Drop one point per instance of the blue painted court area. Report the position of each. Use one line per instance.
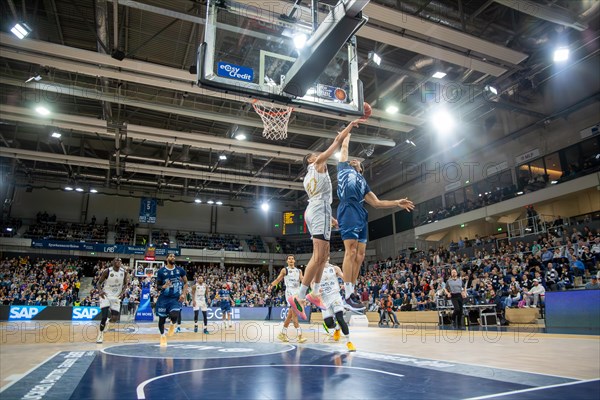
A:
(191, 370)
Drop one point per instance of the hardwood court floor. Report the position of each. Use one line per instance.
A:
(24, 345)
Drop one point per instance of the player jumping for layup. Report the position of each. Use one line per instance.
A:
(319, 219)
(199, 295)
(292, 277)
(115, 282)
(172, 283)
(353, 191)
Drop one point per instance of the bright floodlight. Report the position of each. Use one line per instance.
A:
(492, 90)
(219, 203)
(240, 136)
(376, 58)
(68, 188)
(21, 30)
(197, 201)
(300, 40)
(561, 54)
(337, 155)
(78, 189)
(56, 135)
(438, 75)
(264, 206)
(93, 190)
(391, 109)
(443, 122)
(222, 157)
(211, 202)
(42, 110)
(408, 141)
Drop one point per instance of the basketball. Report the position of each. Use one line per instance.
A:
(367, 110)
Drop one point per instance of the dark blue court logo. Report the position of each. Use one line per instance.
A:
(235, 72)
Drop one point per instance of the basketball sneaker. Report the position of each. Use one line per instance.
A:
(353, 304)
(171, 330)
(302, 339)
(163, 341)
(195, 328)
(316, 300)
(283, 337)
(336, 335)
(205, 331)
(296, 306)
(350, 347)
(178, 330)
(100, 338)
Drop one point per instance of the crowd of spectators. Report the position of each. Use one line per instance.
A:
(208, 241)
(256, 245)
(67, 231)
(124, 231)
(39, 282)
(514, 274)
(305, 245)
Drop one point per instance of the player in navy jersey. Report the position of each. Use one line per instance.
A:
(225, 304)
(353, 191)
(172, 283)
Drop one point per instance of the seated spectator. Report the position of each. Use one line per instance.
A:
(593, 284)
(533, 296)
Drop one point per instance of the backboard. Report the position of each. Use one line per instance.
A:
(250, 51)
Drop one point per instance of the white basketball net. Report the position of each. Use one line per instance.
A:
(275, 119)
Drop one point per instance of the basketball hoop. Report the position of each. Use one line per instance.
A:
(275, 119)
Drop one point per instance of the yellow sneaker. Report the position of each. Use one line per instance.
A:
(171, 330)
(336, 335)
(350, 347)
(283, 337)
(163, 341)
(302, 339)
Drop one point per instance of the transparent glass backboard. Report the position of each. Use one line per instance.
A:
(249, 50)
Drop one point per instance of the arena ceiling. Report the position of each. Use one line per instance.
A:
(139, 126)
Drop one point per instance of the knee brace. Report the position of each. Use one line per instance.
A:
(342, 322)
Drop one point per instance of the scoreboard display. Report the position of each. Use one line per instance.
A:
(293, 223)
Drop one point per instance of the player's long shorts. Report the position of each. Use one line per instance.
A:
(289, 293)
(201, 305)
(225, 306)
(353, 223)
(165, 305)
(334, 304)
(318, 219)
(113, 302)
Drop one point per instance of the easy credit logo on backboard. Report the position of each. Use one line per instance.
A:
(85, 313)
(235, 72)
(24, 313)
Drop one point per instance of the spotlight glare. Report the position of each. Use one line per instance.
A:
(219, 203)
(93, 190)
(337, 155)
(68, 188)
(392, 109)
(443, 122)
(222, 157)
(56, 135)
(240, 136)
(376, 58)
(492, 90)
(42, 110)
(439, 75)
(78, 189)
(197, 201)
(300, 40)
(211, 202)
(265, 206)
(561, 54)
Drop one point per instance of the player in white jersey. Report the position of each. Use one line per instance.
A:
(292, 277)
(330, 291)
(113, 283)
(199, 296)
(319, 220)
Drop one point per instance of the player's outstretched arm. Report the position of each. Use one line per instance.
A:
(279, 278)
(373, 201)
(344, 149)
(324, 156)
